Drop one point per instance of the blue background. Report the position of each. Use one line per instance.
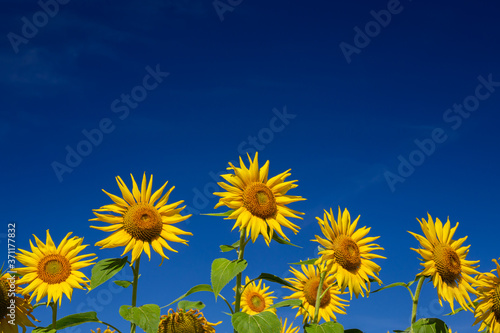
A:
(354, 118)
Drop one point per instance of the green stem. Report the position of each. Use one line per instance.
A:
(241, 251)
(318, 297)
(53, 305)
(415, 301)
(134, 289)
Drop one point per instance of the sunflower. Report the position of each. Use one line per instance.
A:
(290, 329)
(488, 308)
(107, 330)
(444, 260)
(52, 270)
(254, 298)
(20, 308)
(306, 286)
(140, 223)
(258, 203)
(347, 252)
(182, 321)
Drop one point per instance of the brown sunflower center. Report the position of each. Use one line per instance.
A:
(54, 268)
(143, 222)
(4, 298)
(346, 253)
(447, 263)
(256, 302)
(259, 200)
(182, 322)
(496, 303)
(311, 292)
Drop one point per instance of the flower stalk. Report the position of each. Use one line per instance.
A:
(135, 270)
(415, 302)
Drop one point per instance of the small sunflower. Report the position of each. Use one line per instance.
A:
(52, 270)
(347, 252)
(488, 309)
(290, 329)
(181, 321)
(107, 330)
(254, 298)
(444, 260)
(307, 284)
(16, 316)
(258, 202)
(140, 222)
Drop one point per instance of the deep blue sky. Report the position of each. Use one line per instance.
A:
(351, 122)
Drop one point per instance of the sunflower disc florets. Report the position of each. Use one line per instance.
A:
(181, 321)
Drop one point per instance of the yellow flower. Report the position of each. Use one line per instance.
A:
(140, 223)
(107, 330)
(14, 310)
(254, 298)
(347, 252)
(52, 270)
(488, 309)
(258, 202)
(191, 321)
(307, 284)
(444, 260)
(290, 329)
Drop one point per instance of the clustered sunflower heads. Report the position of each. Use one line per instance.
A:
(488, 309)
(347, 252)
(306, 284)
(255, 298)
(180, 321)
(22, 312)
(259, 203)
(141, 220)
(444, 260)
(51, 271)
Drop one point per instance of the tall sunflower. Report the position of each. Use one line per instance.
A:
(11, 321)
(182, 321)
(347, 252)
(139, 222)
(290, 328)
(52, 270)
(488, 309)
(306, 286)
(258, 202)
(444, 260)
(254, 298)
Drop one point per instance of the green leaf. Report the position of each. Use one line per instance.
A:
(274, 278)
(186, 305)
(195, 289)
(146, 317)
(289, 302)
(328, 327)
(227, 248)
(124, 284)
(224, 271)
(395, 284)
(105, 270)
(264, 322)
(428, 325)
(229, 212)
(305, 262)
(277, 238)
(68, 321)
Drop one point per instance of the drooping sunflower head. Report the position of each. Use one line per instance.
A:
(306, 284)
(107, 330)
(180, 321)
(52, 270)
(17, 314)
(488, 309)
(290, 328)
(258, 203)
(347, 252)
(444, 261)
(255, 299)
(141, 220)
